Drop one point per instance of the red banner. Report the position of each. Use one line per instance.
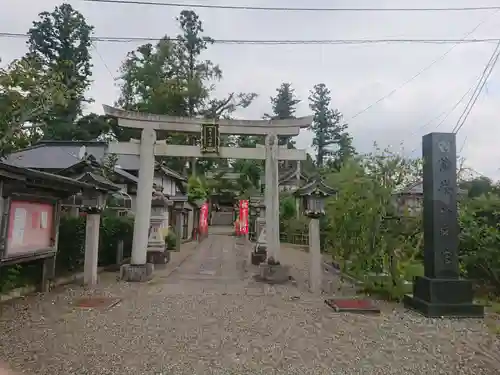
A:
(243, 216)
(30, 227)
(204, 218)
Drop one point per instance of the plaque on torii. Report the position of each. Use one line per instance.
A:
(210, 139)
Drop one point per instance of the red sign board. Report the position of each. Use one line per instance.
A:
(204, 218)
(30, 227)
(243, 216)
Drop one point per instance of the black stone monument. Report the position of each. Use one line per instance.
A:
(441, 293)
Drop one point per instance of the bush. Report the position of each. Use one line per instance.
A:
(170, 240)
(114, 229)
(479, 248)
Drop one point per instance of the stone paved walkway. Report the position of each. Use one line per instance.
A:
(204, 314)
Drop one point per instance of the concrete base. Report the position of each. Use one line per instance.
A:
(274, 274)
(137, 273)
(452, 298)
(158, 258)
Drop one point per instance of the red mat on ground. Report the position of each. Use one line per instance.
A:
(96, 302)
(357, 305)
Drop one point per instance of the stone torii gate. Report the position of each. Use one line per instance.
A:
(148, 147)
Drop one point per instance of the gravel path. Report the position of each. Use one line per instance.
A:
(204, 314)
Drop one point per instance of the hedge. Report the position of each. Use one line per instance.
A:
(71, 250)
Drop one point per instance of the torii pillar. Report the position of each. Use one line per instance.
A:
(139, 269)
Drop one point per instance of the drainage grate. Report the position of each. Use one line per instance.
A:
(355, 305)
(102, 303)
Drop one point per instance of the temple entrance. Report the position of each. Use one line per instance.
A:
(148, 147)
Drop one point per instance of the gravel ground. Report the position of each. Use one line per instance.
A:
(204, 314)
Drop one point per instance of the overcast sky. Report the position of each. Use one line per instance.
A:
(357, 75)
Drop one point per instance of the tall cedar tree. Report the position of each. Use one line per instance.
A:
(331, 140)
(284, 106)
(61, 41)
(171, 78)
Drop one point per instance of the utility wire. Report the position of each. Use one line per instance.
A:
(447, 113)
(287, 9)
(393, 91)
(473, 88)
(121, 39)
(103, 61)
(479, 88)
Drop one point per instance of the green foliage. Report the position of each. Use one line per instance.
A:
(172, 78)
(71, 244)
(196, 189)
(480, 241)
(60, 40)
(26, 94)
(284, 105)
(331, 139)
(71, 251)
(287, 207)
(362, 229)
(171, 240)
(479, 186)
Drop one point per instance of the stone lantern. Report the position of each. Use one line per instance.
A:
(93, 202)
(313, 195)
(178, 207)
(156, 252)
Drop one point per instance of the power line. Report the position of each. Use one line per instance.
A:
(271, 42)
(287, 9)
(447, 113)
(392, 92)
(103, 61)
(479, 88)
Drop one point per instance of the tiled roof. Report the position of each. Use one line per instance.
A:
(56, 179)
(57, 155)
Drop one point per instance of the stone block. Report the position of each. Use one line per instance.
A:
(443, 298)
(258, 258)
(158, 258)
(274, 274)
(137, 272)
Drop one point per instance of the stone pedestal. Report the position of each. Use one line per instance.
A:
(137, 273)
(274, 274)
(440, 293)
(443, 298)
(158, 258)
(259, 254)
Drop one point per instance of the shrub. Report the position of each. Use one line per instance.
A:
(170, 240)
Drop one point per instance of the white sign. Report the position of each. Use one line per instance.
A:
(18, 226)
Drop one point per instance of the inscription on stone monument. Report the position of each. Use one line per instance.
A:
(440, 206)
(210, 138)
